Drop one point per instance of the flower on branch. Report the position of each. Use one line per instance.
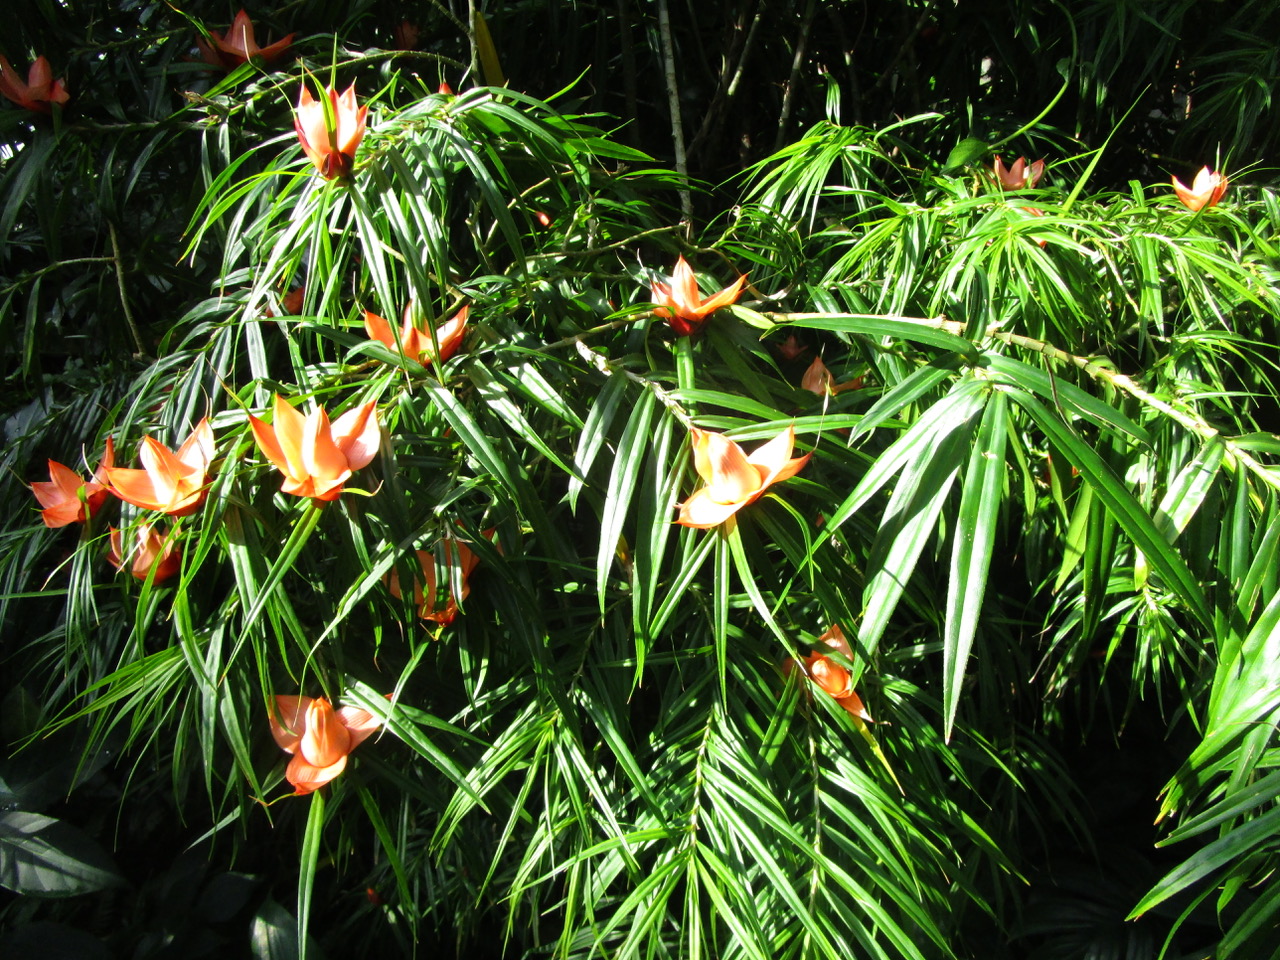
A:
(317, 457)
(1205, 190)
(239, 45)
(733, 477)
(415, 344)
(66, 498)
(818, 380)
(173, 483)
(151, 550)
(436, 601)
(833, 677)
(330, 130)
(680, 303)
(1019, 176)
(39, 92)
(318, 737)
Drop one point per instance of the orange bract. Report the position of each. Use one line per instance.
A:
(415, 343)
(319, 737)
(61, 497)
(1205, 190)
(152, 549)
(331, 148)
(832, 677)
(1020, 176)
(818, 380)
(317, 457)
(40, 90)
(429, 597)
(239, 45)
(173, 483)
(682, 305)
(733, 477)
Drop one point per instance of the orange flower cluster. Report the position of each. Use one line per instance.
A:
(818, 380)
(40, 91)
(315, 456)
(319, 738)
(437, 603)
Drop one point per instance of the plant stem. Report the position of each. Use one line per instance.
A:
(140, 349)
(673, 103)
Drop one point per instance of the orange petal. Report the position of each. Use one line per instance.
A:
(134, 486)
(853, 703)
(725, 297)
(379, 329)
(166, 471)
(308, 777)
(817, 378)
(288, 721)
(830, 676)
(449, 334)
(359, 723)
(358, 435)
(660, 293)
(289, 427)
(197, 451)
(266, 437)
(684, 291)
(835, 639)
(773, 459)
(729, 475)
(703, 513)
(325, 740)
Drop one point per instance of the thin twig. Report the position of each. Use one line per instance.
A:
(789, 92)
(673, 103)
(601, 363)
(124, 299)
(1099, 368)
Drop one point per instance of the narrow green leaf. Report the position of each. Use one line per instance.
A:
(971, 551)
(1121, 504)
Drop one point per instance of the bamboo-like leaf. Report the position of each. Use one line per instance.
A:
(974, 541)
(1121, 504)
(632, 449)
(308, 861)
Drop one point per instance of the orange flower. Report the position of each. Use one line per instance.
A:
(415, 343)
(38, 92)
(734, 478)
(315, 457)
(239, 45)
(681, 304)
(831, 676)
(428, 597)
(331, 148)
(1206, 190)
(319, 738)
(1020, 176)
(68, 499)
(151, 550)
(818, 379)
(173, 483)
(791, 349)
